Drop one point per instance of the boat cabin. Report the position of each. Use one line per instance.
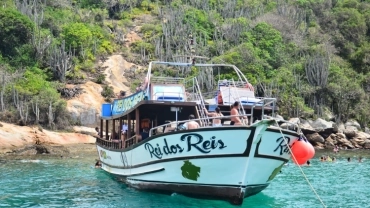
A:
(161, 103)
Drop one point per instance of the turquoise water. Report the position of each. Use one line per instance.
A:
(56, 182)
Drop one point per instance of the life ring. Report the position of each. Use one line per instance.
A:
(249, 86)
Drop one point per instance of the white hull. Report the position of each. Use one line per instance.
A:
(227, 162)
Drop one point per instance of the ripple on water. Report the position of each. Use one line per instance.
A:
(74, 183)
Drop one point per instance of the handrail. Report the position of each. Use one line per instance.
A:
(113, 144)
(130, 141)
(198, 119)
(271, 100)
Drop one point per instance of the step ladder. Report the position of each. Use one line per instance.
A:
(241, 108)
(204, 120)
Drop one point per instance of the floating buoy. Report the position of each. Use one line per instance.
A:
(300, 150)
(311, 151)
(299, 161)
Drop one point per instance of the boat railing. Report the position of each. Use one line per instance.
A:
(239, 84)
(116, 144)
(264, 102)
(199, 119)
(111, 144)
(130, 141)
(167, 80)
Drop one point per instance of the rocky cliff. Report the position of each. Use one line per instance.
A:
(326, 134)
(33, 140)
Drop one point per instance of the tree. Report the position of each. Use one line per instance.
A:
(15, 31)
(77, 35)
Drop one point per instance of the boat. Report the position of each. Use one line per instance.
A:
(143, 143)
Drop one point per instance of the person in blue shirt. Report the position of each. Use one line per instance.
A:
(144, 134)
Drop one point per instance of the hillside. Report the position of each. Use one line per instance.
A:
(313, 55)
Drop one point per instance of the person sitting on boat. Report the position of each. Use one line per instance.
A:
(191, 124)
(216, 121)
(219, 98)
(124, 130)
(234, 112)
(98, 133)
(168, 127)
(144, 134)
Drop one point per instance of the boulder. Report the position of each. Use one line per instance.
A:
(367, 130)
(279, 117)
(329, 143)
(320, 124)
(82, 114)
(350, 132)
(323, 127)
(306, 127)
(343, 141)
(366, 144)
(361, 135)
(335, 128)
(315, 138)
(357, 143)
(291, 125)
(319, 146)
(341, 127)
(352, 123)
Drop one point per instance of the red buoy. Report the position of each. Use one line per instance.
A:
(299, 161)
(311, 151)
(300, 150)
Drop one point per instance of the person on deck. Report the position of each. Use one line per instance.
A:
(124, 130)
(144, 134)
(235, 112)
(191, 124)
(216, 121)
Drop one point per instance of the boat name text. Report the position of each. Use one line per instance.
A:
(282, 145)
(122, 105)
(193, 141)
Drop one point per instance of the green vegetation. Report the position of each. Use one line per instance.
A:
(313, 55)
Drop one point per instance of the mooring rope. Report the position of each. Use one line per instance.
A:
(304, 175)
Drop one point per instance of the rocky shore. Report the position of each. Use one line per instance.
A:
(326, 134)
(27, 141)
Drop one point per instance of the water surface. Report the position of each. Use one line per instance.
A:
(60, 182)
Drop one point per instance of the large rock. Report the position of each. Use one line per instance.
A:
(366, 144)
(323, 127)
(350, 132)
(320, 124)
(341, 128)
(331, 141)
(82, 114)
(367, 130)
(315, 138)
(291, 125)
(343, 141)
(361, 135)
(306, 127)
(352, 123)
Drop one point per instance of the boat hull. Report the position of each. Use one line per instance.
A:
(234, 163)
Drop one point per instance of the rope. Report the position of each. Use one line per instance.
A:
(304, 175)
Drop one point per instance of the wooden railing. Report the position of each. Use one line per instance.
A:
(111, 144)
(130, 141)
(116, 144)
